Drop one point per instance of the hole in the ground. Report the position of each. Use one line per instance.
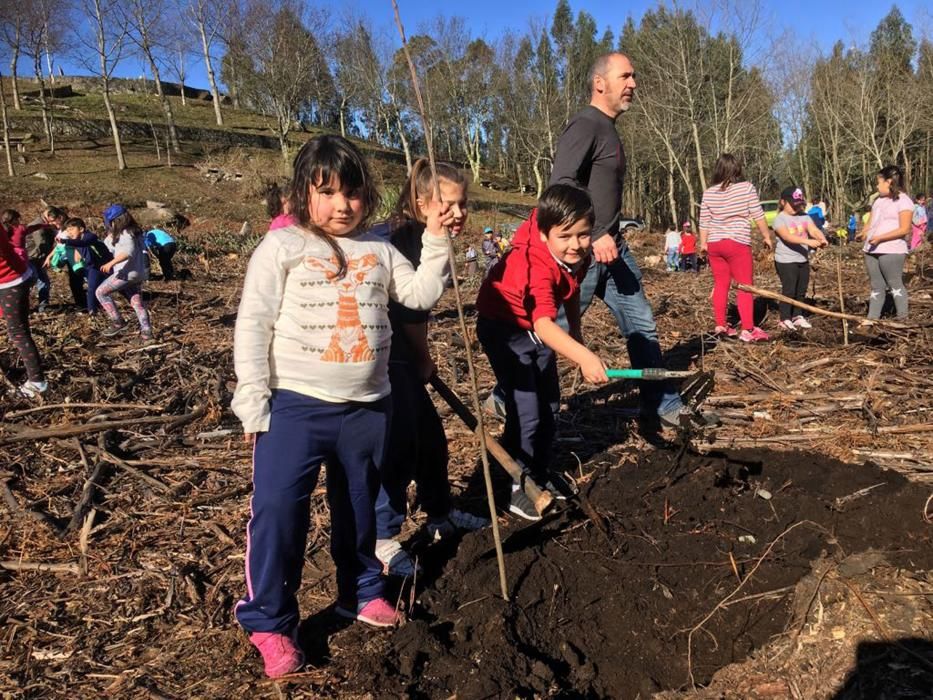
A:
(597, 618)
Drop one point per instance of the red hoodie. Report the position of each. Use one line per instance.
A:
(529, 283)
(12, 265)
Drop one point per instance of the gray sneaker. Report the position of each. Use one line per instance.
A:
(456, 521)
(683, 417)
(114, 331)
(522, 506)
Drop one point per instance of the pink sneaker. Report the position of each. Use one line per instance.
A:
(727, 331)
(755, 335)
(377, 612)
(280, 653)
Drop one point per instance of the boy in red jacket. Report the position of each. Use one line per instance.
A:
(517, 307)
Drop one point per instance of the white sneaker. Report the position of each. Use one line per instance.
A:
(33, 389)
(395, 560)
(788, 325)
(801, 322)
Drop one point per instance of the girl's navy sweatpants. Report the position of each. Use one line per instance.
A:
(303, 433)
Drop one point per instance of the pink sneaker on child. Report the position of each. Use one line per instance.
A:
(727, 331)
(755, 335)
(280, 653)
(377, 612)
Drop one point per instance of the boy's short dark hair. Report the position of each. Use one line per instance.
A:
(563, 205)
(55, 213)
(74, 221)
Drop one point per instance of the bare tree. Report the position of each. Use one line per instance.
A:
(6, 130)
(11, 29)
(149, 21)
(32, 33)
(285, 62)
(206, 15)
(109, 24)
(177, 56)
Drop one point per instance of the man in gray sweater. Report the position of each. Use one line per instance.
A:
(590, 154)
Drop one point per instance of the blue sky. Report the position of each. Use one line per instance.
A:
(820, 23)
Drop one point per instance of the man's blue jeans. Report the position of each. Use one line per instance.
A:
(619, 285)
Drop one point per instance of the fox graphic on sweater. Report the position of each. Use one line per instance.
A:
(348, 342)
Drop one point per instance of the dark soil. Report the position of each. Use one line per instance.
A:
(592, 617)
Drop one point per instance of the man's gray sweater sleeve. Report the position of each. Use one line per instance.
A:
(574, 152)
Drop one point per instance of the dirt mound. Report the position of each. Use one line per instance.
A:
(610, 618)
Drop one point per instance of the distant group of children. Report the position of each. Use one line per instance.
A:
(894, 227)
(97, 270)
(680, 249)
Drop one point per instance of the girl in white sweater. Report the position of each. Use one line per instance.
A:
(311, 350)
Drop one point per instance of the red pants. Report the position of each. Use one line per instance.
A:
(729, 261)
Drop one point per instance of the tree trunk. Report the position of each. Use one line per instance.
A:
(539, 180)
(48, 58)
(166, 105)
(14, 77)
(6, 130)
(405, 146)
(181, 78)
(46, 121)
(343, 121)
(121, 161)
(210, 74)
(671, 199)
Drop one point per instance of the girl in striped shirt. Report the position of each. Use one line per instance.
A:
(726, 237)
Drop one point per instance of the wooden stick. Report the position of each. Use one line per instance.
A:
(816, 309)
(542, 499)
(91, 486)
(481, 429)
(98, 427)
(69, 568)
(842, 302)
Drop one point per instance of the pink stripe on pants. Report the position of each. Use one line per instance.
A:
(730, 260)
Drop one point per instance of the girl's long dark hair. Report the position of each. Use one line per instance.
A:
(126, 222)
(319, 161)
(727, 171)
(421, 184)
(896, 176)
(272, 196)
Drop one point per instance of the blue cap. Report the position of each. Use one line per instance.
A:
(488, 229)
(112, 212)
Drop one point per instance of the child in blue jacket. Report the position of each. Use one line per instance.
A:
(84, 254)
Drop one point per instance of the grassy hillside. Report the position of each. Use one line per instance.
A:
(82, 173)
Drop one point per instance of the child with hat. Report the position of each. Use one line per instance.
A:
(796, 235)
(490, 249)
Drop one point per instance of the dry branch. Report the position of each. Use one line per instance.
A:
(767, 294)
(24, 434)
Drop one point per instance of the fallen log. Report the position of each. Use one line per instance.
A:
(59, 431)
(767, 294)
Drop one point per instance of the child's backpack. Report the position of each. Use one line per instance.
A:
(920, 216)
(100, 253)
(816, 214)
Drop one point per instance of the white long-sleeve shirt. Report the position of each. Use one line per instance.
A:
(298, 328)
